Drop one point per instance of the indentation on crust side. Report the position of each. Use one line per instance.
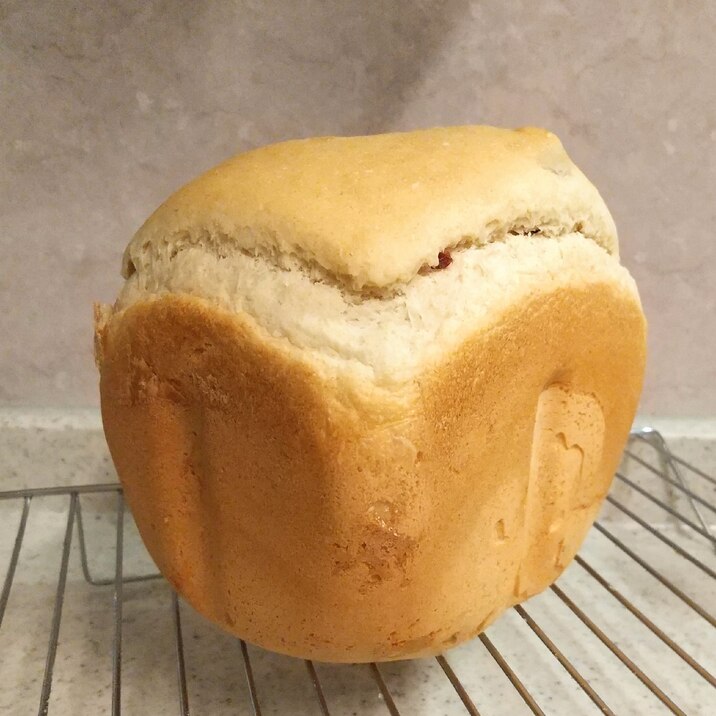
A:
(563, 478)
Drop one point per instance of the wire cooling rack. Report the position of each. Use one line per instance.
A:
(627, 629)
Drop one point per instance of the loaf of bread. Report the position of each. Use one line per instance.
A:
(364, 394)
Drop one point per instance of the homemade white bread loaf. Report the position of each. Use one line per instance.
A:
(366, 393)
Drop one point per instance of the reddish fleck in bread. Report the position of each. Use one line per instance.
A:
(366, 393)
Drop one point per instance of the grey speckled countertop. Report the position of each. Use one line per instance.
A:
(49, 448)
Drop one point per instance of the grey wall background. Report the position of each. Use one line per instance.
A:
(107, 107)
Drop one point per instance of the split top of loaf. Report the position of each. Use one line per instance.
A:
(376, 253)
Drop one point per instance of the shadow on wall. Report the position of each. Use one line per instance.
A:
(314, 68)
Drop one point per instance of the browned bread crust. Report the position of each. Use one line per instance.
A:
(378, 528)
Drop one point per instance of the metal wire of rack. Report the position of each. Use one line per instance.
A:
(689, 483)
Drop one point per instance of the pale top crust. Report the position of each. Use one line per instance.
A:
(372, 211)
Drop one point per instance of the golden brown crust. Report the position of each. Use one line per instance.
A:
(352, 531)
(371, 211)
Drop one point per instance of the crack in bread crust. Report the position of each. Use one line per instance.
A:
(386, 338)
